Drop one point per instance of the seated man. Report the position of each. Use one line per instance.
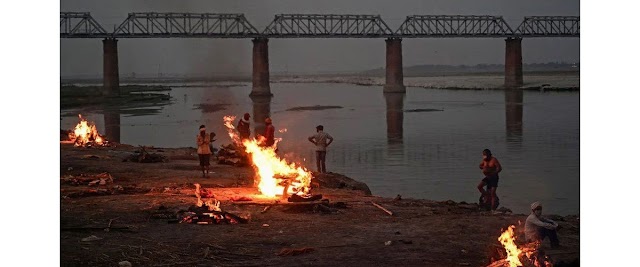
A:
(537, 227)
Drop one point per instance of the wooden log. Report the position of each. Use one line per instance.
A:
(274, 203)
(382, 208)
(500, 263)
(297, 198)
(265, 209)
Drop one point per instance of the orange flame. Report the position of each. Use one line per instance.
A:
(213, 204)
(508, 241)
(84, 133)
(507, 238)
(199, 202)
(276, 176)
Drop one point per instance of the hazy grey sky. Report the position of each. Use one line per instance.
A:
(208, 56)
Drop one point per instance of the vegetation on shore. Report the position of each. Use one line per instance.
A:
(73, 96)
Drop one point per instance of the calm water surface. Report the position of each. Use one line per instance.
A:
(380, 140)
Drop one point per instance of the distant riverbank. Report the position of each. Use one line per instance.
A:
(547, 81)
(558, 80)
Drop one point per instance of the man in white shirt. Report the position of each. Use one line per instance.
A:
(322, 140)
(537, 228)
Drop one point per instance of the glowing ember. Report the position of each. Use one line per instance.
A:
(85, 133)
(276, 176)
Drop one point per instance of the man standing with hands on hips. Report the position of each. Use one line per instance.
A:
(322, 140)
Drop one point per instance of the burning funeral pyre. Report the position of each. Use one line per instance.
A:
(85, 134)
(209, 212)
(276, 177)
(529, 254)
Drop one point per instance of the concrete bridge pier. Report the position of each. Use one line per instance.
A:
(111, 78)
(513, 63)
(394, 79)
(261, 68)
(261, 111)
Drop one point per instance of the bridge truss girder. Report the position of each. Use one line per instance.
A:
(438, 26)
(549, 26)
(185, 25)
(327, 26)
(209, 25)
(80, 25)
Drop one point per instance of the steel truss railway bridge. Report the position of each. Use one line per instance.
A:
(215, 25)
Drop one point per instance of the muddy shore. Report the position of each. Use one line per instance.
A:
(136, 200)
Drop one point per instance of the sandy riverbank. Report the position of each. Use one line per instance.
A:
(421, 232)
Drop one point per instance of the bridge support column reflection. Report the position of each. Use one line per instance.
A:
(261, 68)
(112, 125)
(111, 77)
(395, 116)
(513, 98)
(261, 111)
(394, 77)
(513, 62)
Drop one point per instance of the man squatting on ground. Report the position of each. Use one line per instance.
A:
(320, 140)
(537, 227)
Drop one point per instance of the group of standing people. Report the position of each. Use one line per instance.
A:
(320, 139)
(244, 130)
(537, 228)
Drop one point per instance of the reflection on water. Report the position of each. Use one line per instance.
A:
(513, 99)
(112, 124)
(395, 116)
(395, 120)
(431, 155)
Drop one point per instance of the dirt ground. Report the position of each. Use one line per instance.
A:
(132, 205)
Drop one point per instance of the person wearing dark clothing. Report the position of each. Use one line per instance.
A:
(244, 129)
(269, 133)
(490, 168)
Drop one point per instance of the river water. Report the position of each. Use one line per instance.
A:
(389, 141)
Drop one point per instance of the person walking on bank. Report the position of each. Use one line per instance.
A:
(322, 140)
(490, 168)
(244, 130)
(537, 228)
(204, 152)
